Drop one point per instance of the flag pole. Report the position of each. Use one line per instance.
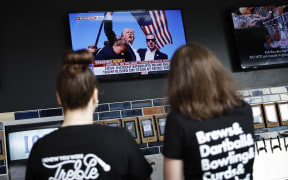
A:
(99, 32)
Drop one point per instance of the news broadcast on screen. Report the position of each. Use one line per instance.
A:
(128, 43)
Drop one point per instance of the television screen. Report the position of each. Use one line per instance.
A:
(261, 34)
(128, 43)
(19, 141)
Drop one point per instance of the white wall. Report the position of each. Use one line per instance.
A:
(271, 166)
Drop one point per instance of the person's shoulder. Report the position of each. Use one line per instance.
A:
(243, 107)
(113, 131)
(103, 52)
(121, 134)
(142, 50)
(46, 139)
(244, 111)
(162, 54)
(176, 115)
(107, 48)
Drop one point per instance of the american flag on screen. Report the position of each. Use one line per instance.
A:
(154, 22)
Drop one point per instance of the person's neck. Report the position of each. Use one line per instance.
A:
(151, 50)
(78, 117)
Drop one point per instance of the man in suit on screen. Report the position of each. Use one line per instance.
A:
(151, 52)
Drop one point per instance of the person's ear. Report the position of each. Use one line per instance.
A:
(58, 98)
(95, 96)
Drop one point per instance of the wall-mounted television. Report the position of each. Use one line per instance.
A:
(261, 34)
(157, 34)
(19, 141)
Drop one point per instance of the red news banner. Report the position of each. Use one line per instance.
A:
(119, 66)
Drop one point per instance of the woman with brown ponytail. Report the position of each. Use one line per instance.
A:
(209, 131)
(80, 149)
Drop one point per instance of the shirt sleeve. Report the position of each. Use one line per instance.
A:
(173, 138)
(138, 168)
(108, 30)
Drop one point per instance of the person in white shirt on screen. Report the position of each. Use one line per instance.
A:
(151, 52)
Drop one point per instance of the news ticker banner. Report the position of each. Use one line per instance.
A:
(119, 66)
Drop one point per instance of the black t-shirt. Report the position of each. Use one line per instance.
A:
(87, 152)
(216, 148)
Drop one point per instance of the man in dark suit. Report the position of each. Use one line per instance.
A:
(115, 51)
(151, 52)
(127, 34)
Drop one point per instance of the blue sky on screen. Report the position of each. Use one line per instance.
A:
(84, 32)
